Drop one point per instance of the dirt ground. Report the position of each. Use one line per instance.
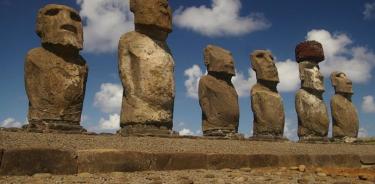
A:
(225, 176)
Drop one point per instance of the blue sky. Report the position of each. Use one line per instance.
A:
(345, 29)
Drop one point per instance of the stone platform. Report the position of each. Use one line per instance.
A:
(24, 153)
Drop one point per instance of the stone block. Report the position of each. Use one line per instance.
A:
(179, 161)
(38, 160)
(112, 160)
(233, 161)
(263, 160)
(367, 159)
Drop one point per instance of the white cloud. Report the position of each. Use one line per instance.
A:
(288, 75)
(369, 11)
(221, 19)
(11, 122)
(112, 123)
(362, 133)
(191, 84)
(243, 84)
(186, 131)
(105, 22)
(290, 130)
(368, 104)
(109, 98)
(357, 62)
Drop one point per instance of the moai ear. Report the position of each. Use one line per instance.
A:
(301, 67)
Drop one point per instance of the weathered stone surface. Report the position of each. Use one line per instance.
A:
(367, 159)
(111, 160)
(217, 97)
(266, 103)
(60, 24)
(55, 74)
(38, 160)
(263, 160)
(146, 69)
(179, 161)
(1, 155)
(313, 121)
(344, 114)
(232, 161)
(152, 17)
(309, 51)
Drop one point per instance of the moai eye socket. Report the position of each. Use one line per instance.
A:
(52, 12)
(260, 55)
(74, 16)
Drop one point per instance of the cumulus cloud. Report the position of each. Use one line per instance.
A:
(191, 84)
(368, 104)
(112, 123)
(356, 61)
(290, 129)
(369, 11)
(221, 19)
(243, 83)
(12, 123)
(186, 131)
(109, 98)
(104, 23)
(288, 75)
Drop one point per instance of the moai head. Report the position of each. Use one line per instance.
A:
(59, 24)
(310, 76)
(309, 51)
(153, 15)
(218, 60)
(263, 64)
(341, 83)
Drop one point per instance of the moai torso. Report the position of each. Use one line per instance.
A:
(344, 114)
(313, 120)
(268, 109)
(344, 117)
(146, 69)
(266, 103)
(55, 86)
(219, 102)
(55, 74)
(217, 97)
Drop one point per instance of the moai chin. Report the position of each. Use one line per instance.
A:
(217, 97)
(56, 74)
(313, 121)
(344, 114)
(146, 69)
(266, 102)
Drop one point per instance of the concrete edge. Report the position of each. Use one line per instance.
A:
(54, 161)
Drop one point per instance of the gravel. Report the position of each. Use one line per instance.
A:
(263, 175)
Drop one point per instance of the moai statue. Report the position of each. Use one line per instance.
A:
(266, 102)
(56, 74)
(344, 113)
(313, 121)
(217, 96)
(146, 70)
